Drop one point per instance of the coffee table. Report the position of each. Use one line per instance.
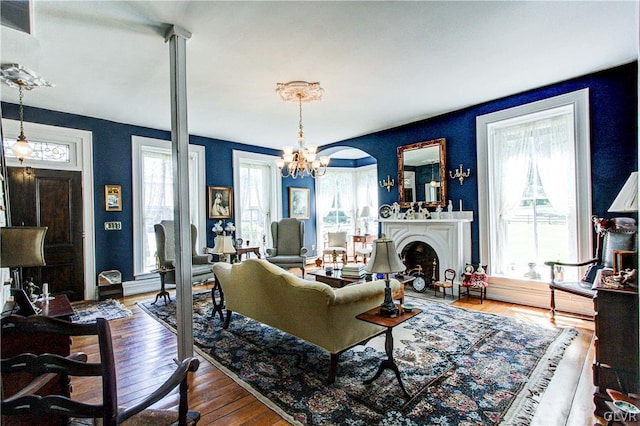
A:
(336, 280)
(373, 316)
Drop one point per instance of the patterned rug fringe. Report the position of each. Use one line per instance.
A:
(525, 404)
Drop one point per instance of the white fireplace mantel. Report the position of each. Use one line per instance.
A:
(450, 238)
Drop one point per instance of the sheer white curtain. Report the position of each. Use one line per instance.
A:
(157, 198)
(511, 147)
(335, 195)
(255, 214)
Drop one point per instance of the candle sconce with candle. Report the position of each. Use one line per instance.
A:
(459, 174)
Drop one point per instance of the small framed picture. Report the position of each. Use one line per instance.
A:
(220, 202)
(113, 198)
(299, 203)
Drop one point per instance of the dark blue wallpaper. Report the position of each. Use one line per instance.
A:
(614, 150)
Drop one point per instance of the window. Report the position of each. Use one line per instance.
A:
(340, 196)
(257, 197)
(534, 186)
(153, 196)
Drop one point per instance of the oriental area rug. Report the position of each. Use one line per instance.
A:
(87, 312)
(460, 366)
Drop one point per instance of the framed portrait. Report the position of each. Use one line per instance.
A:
(113, 198)
(299, 203)
(220, 202)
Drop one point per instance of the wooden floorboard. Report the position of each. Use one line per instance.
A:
(145, 351)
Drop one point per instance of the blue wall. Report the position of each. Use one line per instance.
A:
(614, 139)
(614, 150)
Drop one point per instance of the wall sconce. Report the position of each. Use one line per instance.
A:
(459, 174)
(389, 183)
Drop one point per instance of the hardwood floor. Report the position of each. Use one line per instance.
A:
(145, 349)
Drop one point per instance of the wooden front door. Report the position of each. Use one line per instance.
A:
(52, 198)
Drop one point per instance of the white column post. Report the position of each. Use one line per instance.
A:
(177, 38)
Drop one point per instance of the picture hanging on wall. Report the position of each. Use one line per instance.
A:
(113, 198)
(220, 202)
(299, 199)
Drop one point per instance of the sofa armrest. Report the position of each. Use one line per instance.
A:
(303, 251)
(355, 292)
(201, 259)
(586, 262)
(272, 251)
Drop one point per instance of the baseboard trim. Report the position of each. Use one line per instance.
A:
(537, 294)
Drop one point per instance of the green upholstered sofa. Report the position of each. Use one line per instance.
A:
(310, 310)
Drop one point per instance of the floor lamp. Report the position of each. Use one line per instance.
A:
(21, 246)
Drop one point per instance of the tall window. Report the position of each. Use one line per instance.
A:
(533, 196)
(257, 188)
(340, 196)
(153, 195)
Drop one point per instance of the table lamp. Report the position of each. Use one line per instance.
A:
(223, 246)
(627, 199)
(385, 260)
(21, 246)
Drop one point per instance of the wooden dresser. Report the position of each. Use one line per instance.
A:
(616, 344)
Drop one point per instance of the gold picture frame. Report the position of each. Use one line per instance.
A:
(220, 202)
(113, 198)
(299, 201)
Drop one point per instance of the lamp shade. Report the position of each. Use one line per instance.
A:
(384, 258)
(223, 245)
(22, 246)
(627, 199)
(366, 211)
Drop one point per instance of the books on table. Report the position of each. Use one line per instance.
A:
(353, 270)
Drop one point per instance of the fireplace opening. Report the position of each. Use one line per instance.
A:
(419, 254)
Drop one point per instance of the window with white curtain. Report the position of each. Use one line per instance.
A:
(153, 196)
(257, 189)
(341, 195)
(533, 181)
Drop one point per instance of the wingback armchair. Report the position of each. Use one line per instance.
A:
(288, 241)
(201, 266)
(613, 234)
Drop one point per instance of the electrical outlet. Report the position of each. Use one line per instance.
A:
(112, 226)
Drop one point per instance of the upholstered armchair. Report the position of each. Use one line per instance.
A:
(336, 243)
(612, 234)
(288, 241)
(201, 266)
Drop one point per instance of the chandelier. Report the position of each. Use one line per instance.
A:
(303, 161)
(15, 75)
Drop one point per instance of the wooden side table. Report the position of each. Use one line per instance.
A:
(217, 297)
(373, 316)
(163, 292)
(247, 250)
(363, 239)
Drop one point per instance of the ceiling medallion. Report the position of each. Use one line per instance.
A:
(17, 76)
(303, 161)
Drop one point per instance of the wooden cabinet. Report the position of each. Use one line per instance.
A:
(616, 344)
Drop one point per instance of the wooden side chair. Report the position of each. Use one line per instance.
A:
(449, 276)
(41, 399)
(474, 281)
(618, 233)
(336, 246)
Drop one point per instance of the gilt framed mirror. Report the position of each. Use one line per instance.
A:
(421, 173)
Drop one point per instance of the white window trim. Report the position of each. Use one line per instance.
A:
(276, 196)
(81, 143)
(137, 142)
(579, 100)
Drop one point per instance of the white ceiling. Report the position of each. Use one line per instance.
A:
(381, 64)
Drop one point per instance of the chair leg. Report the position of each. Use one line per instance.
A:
(553, 303)
(227, 319)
